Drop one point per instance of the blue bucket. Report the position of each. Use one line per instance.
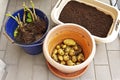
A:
(11, 25)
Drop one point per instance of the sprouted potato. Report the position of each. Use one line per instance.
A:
(68, 52)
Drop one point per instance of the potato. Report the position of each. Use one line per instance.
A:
(60, 57)
(76, 47)
(55, 51)
(80, 57)
(64, 46)
(55, 57)
(67, 49)
(63, 62)
(68, 53)
(74, 59)
(69, 42)
(77, 63)
(70, 63)
(72, 52)
(65, 57)
(58, 47)
(61, 52)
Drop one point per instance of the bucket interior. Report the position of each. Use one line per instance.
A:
(76, 33)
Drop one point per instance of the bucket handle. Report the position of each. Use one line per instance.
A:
(8, 37)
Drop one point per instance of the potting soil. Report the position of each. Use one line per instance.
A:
(31, 32)
(94, 20)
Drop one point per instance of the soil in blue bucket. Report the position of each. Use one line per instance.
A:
(30, 31)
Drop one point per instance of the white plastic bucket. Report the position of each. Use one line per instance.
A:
(113, 32)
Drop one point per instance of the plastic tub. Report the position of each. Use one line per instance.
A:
(73, 31)
(113, 32)
(11, 25)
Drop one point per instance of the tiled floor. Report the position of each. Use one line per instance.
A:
(21, 66)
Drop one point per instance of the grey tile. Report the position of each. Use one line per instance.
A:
(3, 41)
(37, 3)
(11, 6)
(53, 77)
(25, 67)
(101, 54)
(115, 45)
(19, 4)
(52, 24)
(89, 74)
(12, 54)
(54, 3)
(114, 59)
(102, 73)
(2, 53)
(40, 72)
(11, 72)
(39, 59)
(45, 6)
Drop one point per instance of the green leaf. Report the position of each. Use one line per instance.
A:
(15, 33)
(29, 20)
(29, 15)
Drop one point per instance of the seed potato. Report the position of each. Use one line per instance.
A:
(65, 57)
(58, 47)
(80, 57)
(55, 57)
(61, 52)
(68, 53)
(60, 57)
(70, 63)
(69, 42)
(74, 59)
(63, 62)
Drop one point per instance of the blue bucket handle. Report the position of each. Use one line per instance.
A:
(9, 38)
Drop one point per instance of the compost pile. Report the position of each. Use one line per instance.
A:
(95, 21)
(30, 28)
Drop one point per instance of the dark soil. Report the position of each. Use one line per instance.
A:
(95, 21)
(31, 32)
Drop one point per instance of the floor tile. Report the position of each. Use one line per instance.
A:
(89, 74)
(2, 53)
(102, 73)
(3, 41)
(40, 72)
(53, 3)
(11, 72)
(36, 3)
(19, 4)
(101, 54)
(25, 67)
(12, 54)
(114, 60)
(53, 77)
(115, 45)
(39, 59)
(12, 6)
(45, 6)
